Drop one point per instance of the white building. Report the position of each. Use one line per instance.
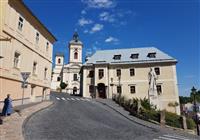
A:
(69, 73)
(126, 72)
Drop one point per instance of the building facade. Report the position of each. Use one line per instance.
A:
(126, 72)
(69, 73)
(26, 45)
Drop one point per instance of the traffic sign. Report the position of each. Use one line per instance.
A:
(25, 75)
(24, 84)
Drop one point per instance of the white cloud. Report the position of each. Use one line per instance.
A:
(83, 21)
(111, 39)
(105, 16)
(99, 3)
(86, 31)
(83, 12)
(96, 28)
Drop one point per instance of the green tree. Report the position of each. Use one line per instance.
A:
(63, 85)
(185, 100)
(197, 96)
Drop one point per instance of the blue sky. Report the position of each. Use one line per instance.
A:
(170, 25)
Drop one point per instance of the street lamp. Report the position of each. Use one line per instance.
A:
(195, 109)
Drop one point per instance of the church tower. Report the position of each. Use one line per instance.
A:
(75, 50)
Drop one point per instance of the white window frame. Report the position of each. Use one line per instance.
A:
(35, 69)
(159, 84)
(37, 37)
(20, 23)
(130, 89)
(45, 72)
(47, 47)
(16, 60)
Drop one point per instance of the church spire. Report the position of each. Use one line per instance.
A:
(75, 37)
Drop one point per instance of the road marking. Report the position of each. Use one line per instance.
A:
(87, 99)
(68, 98)
(78, 99)
(165, 138)
(82, 99)
(63, 98)
(176, 136)
(57, 98)
(72, 99)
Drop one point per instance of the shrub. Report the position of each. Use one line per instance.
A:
(122, 101)
(173, 120)
(190, 123)
(150, 115)
(145, 103)
(127, 104)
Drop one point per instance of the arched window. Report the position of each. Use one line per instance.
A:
(75, 77)
(75, 55)
(59, 60)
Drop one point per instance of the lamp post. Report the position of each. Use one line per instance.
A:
(195, 109)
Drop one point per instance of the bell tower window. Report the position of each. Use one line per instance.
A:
(59, 60)
(75, 55)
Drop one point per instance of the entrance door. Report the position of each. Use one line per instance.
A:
(101, 90)
(75, 90)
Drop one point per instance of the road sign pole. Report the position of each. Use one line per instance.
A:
(23, 96)
(25, 76)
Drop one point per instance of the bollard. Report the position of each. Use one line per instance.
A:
(184, 123)
(162, 118)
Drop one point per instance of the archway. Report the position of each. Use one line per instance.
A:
(101, 90)
(75, 90)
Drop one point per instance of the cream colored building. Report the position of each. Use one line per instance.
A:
(125, 71)
(26, 45)
(69, 73)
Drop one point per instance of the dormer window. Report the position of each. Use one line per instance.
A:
(151, 55)
(135, 56)
(117, 57)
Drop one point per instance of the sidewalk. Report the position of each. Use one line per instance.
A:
(11, 129)
(152, 125)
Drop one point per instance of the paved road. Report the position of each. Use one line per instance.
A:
(75, 118)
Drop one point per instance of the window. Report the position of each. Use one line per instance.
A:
(157, 71)
(117, 57)
(132, 89)
(37, 37)
(135, 56)
(91, 88)
(119, 89)
(91, 73)
(75, 77)
(34, 67)
(59, 60)
(132, 72)
(101, 73)
(58, 78)
(16, 59)
(118, 72)
(75, 55)
(45, 73)
(47, 47)
(159, 89)
(151, 55)
(20, 23)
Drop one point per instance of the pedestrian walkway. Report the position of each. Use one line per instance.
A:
(72, 99)
(11, 129)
